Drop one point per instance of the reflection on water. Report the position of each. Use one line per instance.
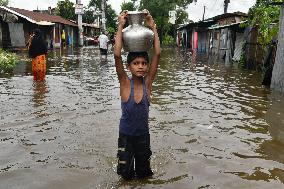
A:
(212, 125)
(40, 90)
(275, 118)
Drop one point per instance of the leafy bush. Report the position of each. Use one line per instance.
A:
(242, 61)
(110, 30)
(7, 61)
(168, 40)
(266, 18)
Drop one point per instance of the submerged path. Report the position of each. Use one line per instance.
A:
(212, 126)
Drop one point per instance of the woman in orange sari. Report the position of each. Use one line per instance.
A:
(38, 51)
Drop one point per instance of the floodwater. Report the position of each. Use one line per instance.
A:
(213, 126)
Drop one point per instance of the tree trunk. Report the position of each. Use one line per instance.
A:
(277, 82)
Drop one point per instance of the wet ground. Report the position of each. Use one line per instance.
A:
(212, 126)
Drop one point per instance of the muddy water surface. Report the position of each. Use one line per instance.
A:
(212, 126)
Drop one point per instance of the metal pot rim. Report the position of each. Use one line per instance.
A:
(135, 12)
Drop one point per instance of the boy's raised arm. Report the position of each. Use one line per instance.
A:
(157, 49)
(118, 46)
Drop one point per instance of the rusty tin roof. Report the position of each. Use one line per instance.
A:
(37, 16)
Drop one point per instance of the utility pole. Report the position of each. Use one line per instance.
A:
(103, 6)
(227, 34)
(226, 2)
(79, 12)
(203, 12)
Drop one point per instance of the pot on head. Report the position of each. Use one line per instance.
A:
(136, 37)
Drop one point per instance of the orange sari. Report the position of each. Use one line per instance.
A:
(39, 67)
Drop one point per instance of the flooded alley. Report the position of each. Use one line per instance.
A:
(212, 126)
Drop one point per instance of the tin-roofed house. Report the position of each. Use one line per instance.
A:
(16, 34)
(6, 18)
(194, 36)
(226, 37)
(221, 35)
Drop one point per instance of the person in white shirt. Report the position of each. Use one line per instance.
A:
(103, 44)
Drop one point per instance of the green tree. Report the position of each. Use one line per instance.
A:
(111, 18)
(159, 9)
(182, 16)
(95, 4)
(110, 13)
(266, 18)
(66, 9)
(88, 16)
(4, 2)
(130, 6)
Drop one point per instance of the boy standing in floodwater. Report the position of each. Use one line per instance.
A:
(134, 137)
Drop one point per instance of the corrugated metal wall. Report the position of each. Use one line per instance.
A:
(240, 40)
(17, 34)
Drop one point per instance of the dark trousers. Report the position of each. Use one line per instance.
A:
(103, 51)
(134, 155)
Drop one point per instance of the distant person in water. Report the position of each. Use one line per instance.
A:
(134, 150)
(37, 51)
(103, 43)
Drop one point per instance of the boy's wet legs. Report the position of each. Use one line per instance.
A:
(125, 155)
(130, 148)
(142, 156)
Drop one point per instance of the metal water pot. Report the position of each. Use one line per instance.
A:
(136, 37)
